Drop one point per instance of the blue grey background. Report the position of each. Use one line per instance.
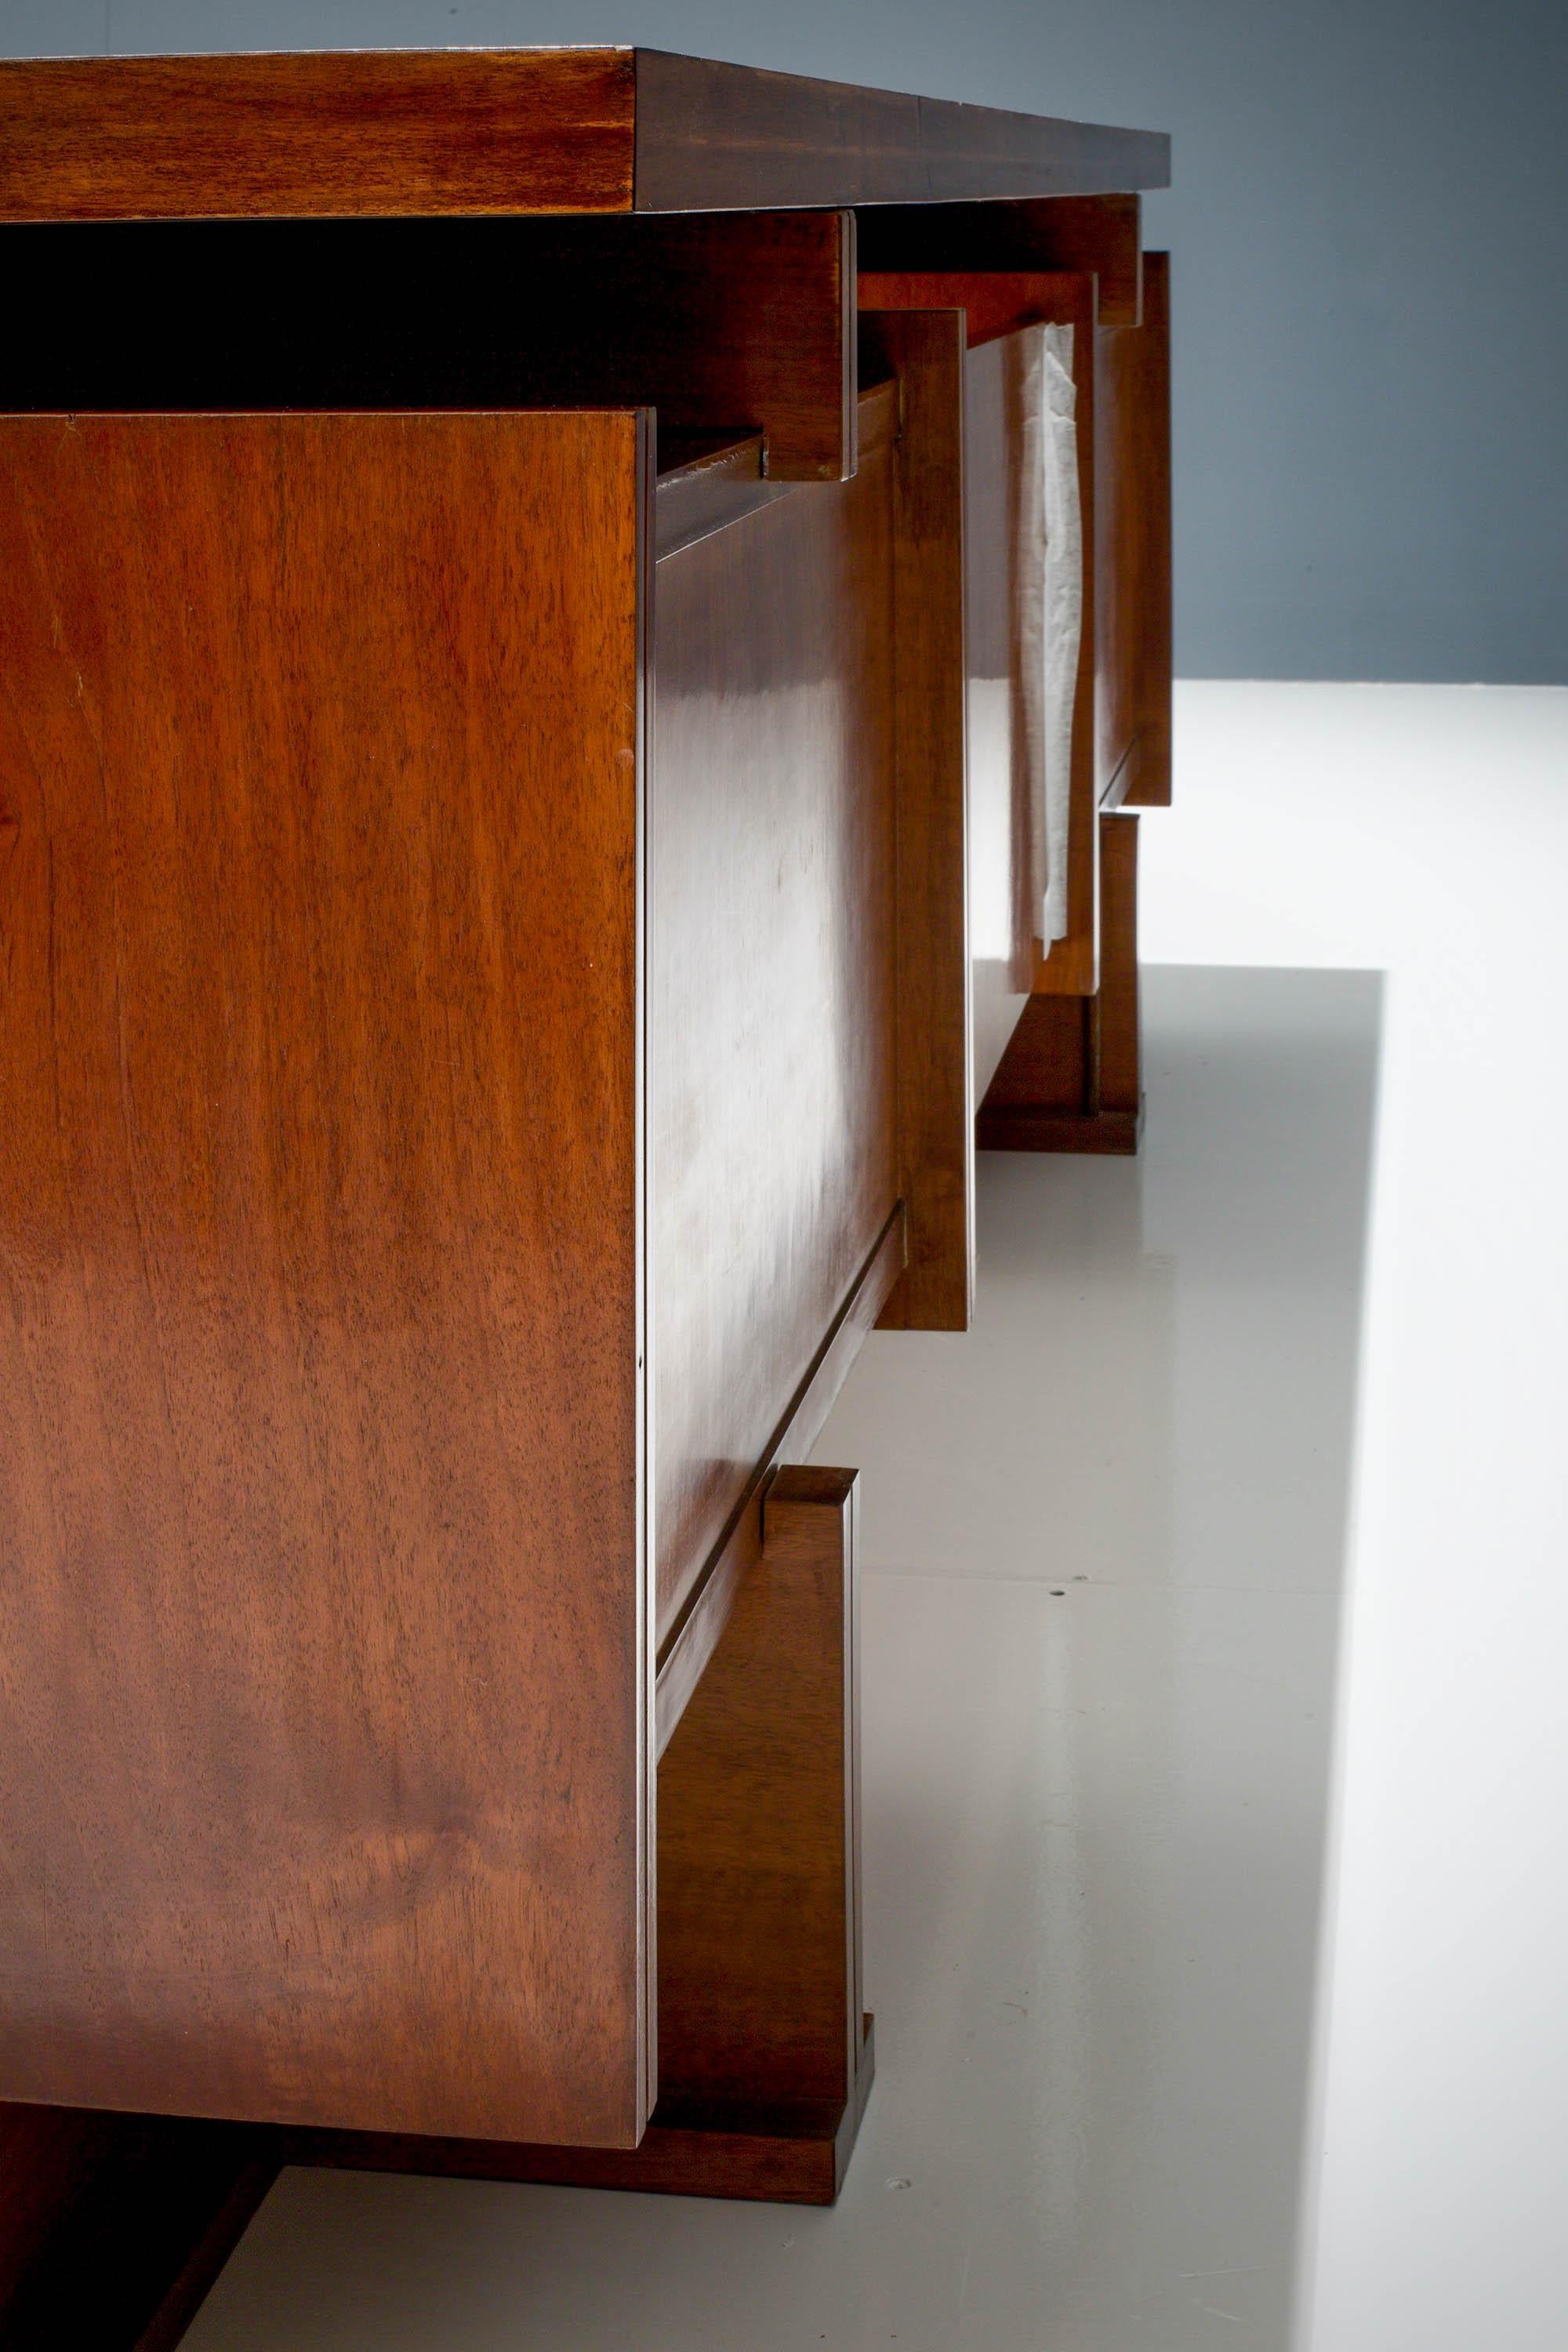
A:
(1370, 236)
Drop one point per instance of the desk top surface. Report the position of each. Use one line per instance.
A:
(331, 132)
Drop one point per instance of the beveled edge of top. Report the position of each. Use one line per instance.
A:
(329, 133)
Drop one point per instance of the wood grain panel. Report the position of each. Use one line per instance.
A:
(487, 130)
(994, 302)
(323, 131)
(1132, 472)
(765, 2057)
(771, 1065)
(324, 1633)
(743, 321)
(708, 1607)
(925, 350)
(1086, 234)
(716, 135)
(759, 1897)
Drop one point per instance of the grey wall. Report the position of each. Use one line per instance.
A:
(1369, 232)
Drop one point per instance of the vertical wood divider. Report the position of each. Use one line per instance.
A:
(936, 1117)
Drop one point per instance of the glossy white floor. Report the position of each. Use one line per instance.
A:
(1215, 1909)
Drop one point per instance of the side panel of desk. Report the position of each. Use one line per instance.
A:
(323, 1793)
(773, 1166)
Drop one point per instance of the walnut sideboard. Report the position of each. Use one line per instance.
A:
(531, 814)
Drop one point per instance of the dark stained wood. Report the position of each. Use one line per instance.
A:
(1119, 1074)
(323, 1794)
(771, 999)
(320, 132)
(764, 2053)
(112, 2228)
(796, 2157)
(1069, 1080)
(710, 134)
(1097, 235)
(994, 302)
(511, 130)
(759, 1904)
(743, 322)
(706, 1611)
(1133, 481)
(936, 1111)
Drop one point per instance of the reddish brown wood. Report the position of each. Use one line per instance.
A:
(488, 130)
(323, 1789)
(112, 2228)
(1086, 234)
(772, 1004)
(764, 2053)
(759, 1919)
(695, 1635)
(797, 2157)
(1132, 474)
(716, 134)
(741, 321)
(323, 132)
(925, 351)
(994, 302)
(1069, 1080)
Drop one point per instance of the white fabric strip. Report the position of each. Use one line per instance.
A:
(1051, 582)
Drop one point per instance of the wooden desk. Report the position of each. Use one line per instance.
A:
(518, 878)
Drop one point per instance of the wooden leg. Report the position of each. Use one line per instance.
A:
(765, 2057)
(113, 2227)
(1070, 1077)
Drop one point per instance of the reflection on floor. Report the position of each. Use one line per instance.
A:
(1105, 1537)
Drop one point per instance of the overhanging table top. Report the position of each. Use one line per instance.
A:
(324, 133)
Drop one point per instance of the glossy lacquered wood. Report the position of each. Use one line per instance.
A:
(772, 1048)
(488, 130)
(457, 1132)
(758, 1900)
(743, 321)
(323, 1786)
(712, 134)
(1069, 1079)
(1132, 478)
(318, 132)
(707, 1608)
(113, 2227)
(924, 352)
(764, 2053)
(1085, 235)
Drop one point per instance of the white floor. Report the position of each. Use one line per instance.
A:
(1216, 1629)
